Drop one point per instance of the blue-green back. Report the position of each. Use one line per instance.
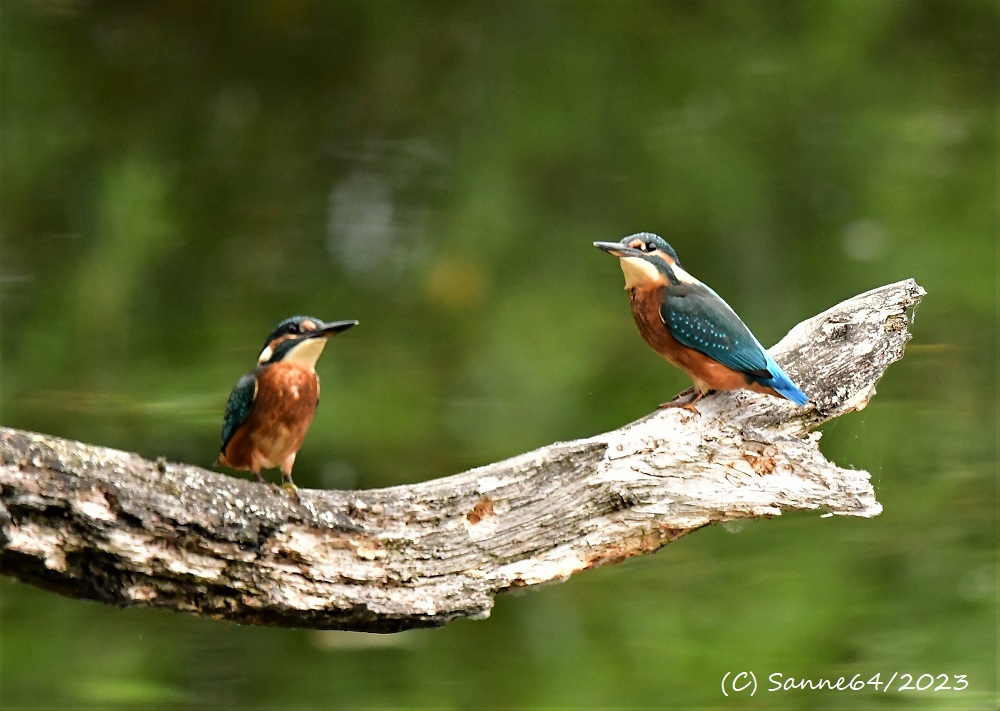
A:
(238, 407)
(698, 318)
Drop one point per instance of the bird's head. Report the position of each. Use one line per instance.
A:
(647, 260)
(300, 340)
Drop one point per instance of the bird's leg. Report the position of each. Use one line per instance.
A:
(265, 482)
(289, 486)
(673, 403)
(686, 404)
(286, 475)
(256, 464)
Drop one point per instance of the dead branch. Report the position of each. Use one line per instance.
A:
(93, 522)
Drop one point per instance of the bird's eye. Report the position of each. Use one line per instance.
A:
(650, 246)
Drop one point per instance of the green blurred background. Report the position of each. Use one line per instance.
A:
(179, 176)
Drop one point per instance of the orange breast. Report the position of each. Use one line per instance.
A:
(707, 374)
(286, 400)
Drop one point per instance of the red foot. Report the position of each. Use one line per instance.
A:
(686, 405)
(681, 405)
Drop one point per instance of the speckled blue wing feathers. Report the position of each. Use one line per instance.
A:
(238, 407)
(699, 318)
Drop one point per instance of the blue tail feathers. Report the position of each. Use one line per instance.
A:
(782, 384)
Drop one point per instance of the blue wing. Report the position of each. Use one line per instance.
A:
(238, 407)
(699, 318)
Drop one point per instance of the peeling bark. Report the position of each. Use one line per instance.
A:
(92, 522)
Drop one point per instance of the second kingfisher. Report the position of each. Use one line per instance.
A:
(270, 409)
(691, 326)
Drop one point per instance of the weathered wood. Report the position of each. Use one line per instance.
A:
(93, 522)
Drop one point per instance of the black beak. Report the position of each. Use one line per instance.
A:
(328, 329)
(618, 249)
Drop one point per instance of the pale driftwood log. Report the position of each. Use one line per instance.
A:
(93, 522)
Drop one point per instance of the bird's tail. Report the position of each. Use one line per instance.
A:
(782, 384)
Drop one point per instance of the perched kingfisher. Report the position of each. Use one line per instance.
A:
(269, 410)
(691, 326)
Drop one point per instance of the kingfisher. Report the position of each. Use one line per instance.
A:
(691, 326)
(270, 409)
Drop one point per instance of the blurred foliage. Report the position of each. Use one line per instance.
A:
(177, 177)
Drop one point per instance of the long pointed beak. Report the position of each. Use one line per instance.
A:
(328, 329)
(617, 249)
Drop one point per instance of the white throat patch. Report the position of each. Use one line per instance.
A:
(639, 272)
(306, 353)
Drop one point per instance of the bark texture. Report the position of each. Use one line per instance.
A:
(92, 522)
